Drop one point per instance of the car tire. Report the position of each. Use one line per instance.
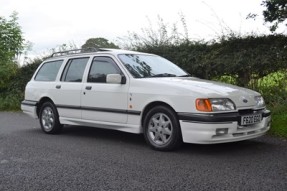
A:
(162, 129)
(49, 119)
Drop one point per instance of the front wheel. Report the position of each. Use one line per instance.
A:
(49, 119)
(161, 129)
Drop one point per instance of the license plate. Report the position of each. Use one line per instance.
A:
(251, 119)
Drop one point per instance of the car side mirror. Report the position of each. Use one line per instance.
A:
(115, 79)
(124, 80)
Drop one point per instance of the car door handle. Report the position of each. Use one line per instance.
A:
(88, 87)
(58, 86)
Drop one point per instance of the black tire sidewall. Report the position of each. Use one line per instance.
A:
(176, 137)
(56, 126)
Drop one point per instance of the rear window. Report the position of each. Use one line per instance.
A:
(49, 71)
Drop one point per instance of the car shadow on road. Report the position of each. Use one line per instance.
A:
(112, 136)
(103, 134)
(248, 146)
(254, 145)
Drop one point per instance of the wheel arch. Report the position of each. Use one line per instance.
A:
(175, 138)
(154, 104)
(41, 102)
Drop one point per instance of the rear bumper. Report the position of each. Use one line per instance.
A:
(209, 129)
(29, 108)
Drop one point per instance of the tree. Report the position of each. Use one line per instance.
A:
(11, 39)
(275, 12)
(11, 45)
(99, 43)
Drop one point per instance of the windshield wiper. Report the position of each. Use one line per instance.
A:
(164, 75)
(187, 75)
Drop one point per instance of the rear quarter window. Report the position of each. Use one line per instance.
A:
(49, 71)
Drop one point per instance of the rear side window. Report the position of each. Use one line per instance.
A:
(74, 70)
(49, 71)
(102, 66)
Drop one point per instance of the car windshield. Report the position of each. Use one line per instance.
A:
(147, 66)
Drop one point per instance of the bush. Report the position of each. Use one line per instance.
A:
(11, 97)
(10, 102)
(24, 75)
(279, 120)
(273, 87)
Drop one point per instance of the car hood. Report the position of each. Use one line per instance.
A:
(190, 86)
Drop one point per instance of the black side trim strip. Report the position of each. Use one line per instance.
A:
(208, 118)
(104, 110)
(29, 103)
(130, 112)
(68, 107)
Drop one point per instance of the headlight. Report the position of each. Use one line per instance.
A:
(259, 101)
(214, 104)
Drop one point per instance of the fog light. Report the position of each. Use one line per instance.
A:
(221, 131)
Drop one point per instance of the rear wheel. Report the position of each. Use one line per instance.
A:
(162, 129)
(49, 118)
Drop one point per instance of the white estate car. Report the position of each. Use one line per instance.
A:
(141, 93)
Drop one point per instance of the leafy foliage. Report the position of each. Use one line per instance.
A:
(275, 12)
(250, 57)
(10, 102)
(11, 39)
(11, 44)
(98, 43)
(8, 71)
(160, 36)
(273, 87)
(11, 97)
(244, 58)
(24, 75)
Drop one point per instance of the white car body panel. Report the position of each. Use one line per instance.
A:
(103, 96)
(69, 94)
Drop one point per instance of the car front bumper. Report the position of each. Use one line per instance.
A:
(220, 128)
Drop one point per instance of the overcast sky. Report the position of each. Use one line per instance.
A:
(49, 23)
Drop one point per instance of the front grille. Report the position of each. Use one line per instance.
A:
(248, 111)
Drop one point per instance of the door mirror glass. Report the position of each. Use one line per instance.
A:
(114, 78)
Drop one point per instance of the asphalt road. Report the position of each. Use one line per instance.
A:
(84, 158)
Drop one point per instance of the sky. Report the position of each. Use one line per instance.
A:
(50, 23)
